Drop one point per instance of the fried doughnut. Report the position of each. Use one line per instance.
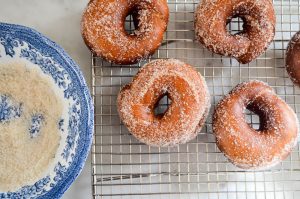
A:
(104, 33)
(184, 117)
(293, 59)
(244, 146)
(258, 17)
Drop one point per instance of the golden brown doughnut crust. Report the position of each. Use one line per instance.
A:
(293, 59)
(185, 115)
(104, 33)
(212, 16)
(246, 147)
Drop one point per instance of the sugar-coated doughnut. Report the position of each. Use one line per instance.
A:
(104, 33)
(212, 16)
(185, 116)
(244, 146)
(293, 59)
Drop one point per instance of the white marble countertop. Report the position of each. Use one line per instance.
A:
(60, 21)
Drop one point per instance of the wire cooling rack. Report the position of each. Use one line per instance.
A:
(122, 167)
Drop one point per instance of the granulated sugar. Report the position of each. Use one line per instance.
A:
(25, 158)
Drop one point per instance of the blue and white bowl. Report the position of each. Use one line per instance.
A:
(26, 45)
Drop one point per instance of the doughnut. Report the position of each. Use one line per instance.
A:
(184, 117)
(212, 16)
(293, 59)
(245, 146)
(103, 29)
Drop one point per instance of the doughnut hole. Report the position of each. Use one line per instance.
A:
(137, 21)
(162, 105)
(129, 24)
(235, 25)
(256, 117)
(252, 119)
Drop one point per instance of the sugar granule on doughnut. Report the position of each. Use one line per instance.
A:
(104, 33)
(184, 117)
(258, 16)
(250, 148)
(293, 59)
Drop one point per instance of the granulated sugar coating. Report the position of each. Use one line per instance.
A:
(211, 18)
(104, 33)
(185, 115)
(244, 146)
(27, 146)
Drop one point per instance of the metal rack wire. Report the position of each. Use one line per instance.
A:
(122, 167)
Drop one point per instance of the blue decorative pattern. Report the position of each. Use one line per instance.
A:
(9, 43)
(47, 65)
(60, 171)
(28, 191)
(24, 43)
(8, 110)
(74, 113)
(36, 124)
(60, 125)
